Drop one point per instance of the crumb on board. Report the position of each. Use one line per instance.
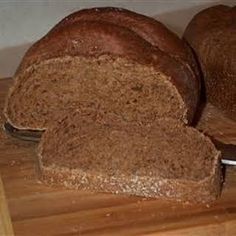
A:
(38, 181)
(12, 163)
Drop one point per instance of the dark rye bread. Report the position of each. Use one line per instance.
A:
(212, 35)
(99, 152)
(107, 64)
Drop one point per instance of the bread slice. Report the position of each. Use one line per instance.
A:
(108, 64)
(212, 35)
(99, 152)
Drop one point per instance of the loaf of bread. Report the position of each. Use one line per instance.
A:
(105, 58)
(100, 152)
(212, 35)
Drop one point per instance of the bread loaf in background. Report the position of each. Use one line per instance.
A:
(106, 58)
(212, 35)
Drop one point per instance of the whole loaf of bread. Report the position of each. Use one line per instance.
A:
(212, 35)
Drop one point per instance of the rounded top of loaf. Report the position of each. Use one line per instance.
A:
(219, 18)
(153, 31)
(149, 29)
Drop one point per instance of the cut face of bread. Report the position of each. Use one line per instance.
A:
(135, 92)
(105, 64)
(96, 153)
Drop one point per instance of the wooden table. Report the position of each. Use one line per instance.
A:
(36, 209)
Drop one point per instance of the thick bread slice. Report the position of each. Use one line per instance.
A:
(76, 40)
(212, 35)
(98, 152)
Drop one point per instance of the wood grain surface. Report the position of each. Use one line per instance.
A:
(5, 220)
(36, 209)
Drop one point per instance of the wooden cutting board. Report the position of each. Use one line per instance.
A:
(39, 210)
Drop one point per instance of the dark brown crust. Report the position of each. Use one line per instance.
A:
(185, 191)
(148, 28)
(212, 34)
(95, 38)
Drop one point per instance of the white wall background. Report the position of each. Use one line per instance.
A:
(24, 22)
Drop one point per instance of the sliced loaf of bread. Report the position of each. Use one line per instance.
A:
(134, 67)
(101, 152)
